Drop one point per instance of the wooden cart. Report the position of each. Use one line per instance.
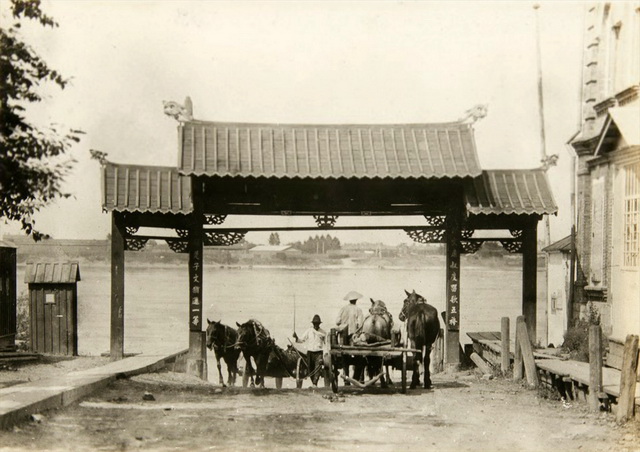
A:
(398, 357)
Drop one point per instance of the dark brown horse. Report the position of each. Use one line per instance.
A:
(423, 327)
(271, 361)
(221, 339)
(254, 341)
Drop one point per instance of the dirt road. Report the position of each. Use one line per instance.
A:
(462, 413)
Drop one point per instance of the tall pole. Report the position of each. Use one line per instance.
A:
(543, 142)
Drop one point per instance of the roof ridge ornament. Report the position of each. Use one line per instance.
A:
(549, 161)
(179, 112)
(474, 114)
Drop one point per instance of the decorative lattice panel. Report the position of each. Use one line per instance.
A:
(223, 238)
(130, 230)
(182, 233)
(213, 219)
(325, 221)
(517, 233)
(470, 246)
(135, 244)
(513, 246)
(178, 245)
(466, 233)
(426, 235)
(435, 220)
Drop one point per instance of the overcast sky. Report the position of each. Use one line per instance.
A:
(327, 62)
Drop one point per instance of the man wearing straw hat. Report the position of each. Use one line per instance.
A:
(350, 318)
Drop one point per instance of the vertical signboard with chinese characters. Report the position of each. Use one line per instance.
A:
(453, 281)
(195, 279)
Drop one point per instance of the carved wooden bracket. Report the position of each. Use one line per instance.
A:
(223, 238)
(178, 245)
(471, 246)
(325, 221)
(212, 219)
(426, 235)
(435, 220)
(135, 244)
(513, 246)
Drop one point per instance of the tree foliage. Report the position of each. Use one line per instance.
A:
(320, 244)
(33, 163)
(274, 238)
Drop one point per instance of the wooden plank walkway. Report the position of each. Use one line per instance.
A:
(488, 345)
(579, 371)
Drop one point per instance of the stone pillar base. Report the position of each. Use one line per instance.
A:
(197, 367)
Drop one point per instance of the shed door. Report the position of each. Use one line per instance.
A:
(53, 319)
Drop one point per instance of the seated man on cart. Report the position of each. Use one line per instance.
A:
(350, 320)
(314, 339)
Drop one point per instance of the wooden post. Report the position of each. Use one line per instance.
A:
(197, 357)
(116, 350)
(481, 363)
(452, 290)
(628, 377)
(527, 354)
(529, 278)
(518, 370)
(595, 367)
(504, 346)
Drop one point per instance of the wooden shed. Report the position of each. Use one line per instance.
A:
(7, 296)
(53, 304)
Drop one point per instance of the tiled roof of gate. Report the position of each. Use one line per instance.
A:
(134, 188)
(52, 272)
(328, 151)
(524, 191)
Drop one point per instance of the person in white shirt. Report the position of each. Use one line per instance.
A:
(350, 318)
(314, 339)
(349, 321)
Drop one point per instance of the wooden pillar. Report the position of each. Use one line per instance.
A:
(197, 357)
(529, 278)
(116, 350)
(452, 290)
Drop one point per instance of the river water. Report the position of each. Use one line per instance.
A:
(156, 310)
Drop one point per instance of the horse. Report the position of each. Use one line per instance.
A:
(423, 327)
(221, 339)
(376, 328)
(254, 341)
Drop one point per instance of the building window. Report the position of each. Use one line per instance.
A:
(632, 215)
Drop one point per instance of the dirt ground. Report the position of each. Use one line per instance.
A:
(463, 413)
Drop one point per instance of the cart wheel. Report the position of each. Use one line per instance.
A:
(278, 382)
(298, 379)
(404, 373)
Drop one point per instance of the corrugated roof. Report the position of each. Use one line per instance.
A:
(52, 272)
(133, 188)
(510, 192)
(561, 245)
(328, 151)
